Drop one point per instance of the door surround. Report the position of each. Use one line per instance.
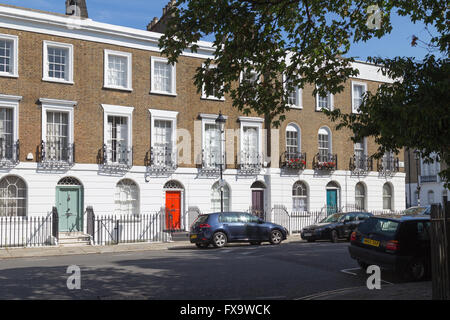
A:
(67, 183)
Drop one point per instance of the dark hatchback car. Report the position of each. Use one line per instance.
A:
(220, 228)
(334, 227)
(398, 243)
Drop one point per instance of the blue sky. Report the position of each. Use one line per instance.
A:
(138, 13)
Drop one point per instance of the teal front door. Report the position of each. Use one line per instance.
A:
(331, 201)
(70, 208)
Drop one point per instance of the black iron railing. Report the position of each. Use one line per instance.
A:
(117, 155)
(293, 160)
(163, 158)
(360, 163)
(327, 162)
(212, 160)
(9, 152)
(250, 162)
(425, 179)
(57, 153)
(388, 165)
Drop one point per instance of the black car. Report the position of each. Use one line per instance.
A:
(334, 227)
(220, 228)
(397, 243)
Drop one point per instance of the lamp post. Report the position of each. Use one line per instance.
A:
(220, 121)
(417, 158)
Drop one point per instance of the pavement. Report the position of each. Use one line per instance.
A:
(389, 291)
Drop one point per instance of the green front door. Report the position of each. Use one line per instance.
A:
(70, 208)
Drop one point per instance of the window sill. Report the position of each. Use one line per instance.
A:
(213, 99)
(58, 81)
(293, 106)
(8, 75)
(163, 93)
(118, 88)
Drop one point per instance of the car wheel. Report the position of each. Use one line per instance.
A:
(202, 245)
(334, 236)
(363, 265)
(219, 239)
(255, 243)
(276, 237)
(416, 270)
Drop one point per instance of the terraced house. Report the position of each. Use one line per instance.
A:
(92, 115)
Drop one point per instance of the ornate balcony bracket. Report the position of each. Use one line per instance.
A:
(160, 162)
(117, 161)
(55, 156)
(250, 164)
(211, 165)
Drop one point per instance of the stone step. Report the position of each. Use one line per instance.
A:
(74, 239)
(180, 236)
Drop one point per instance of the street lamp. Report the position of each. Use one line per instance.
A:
(220, 121)
(417, 158)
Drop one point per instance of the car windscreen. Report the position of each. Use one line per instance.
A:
(333, 218)
(415, 210)
(383, 227)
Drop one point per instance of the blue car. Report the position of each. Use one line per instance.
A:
(220, 228)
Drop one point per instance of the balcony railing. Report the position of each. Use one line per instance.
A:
(360, 163)
(9, 153)
(250, 163)
(388, 165)
(120, 157)
(211, 161)
(56, 154)
(425, 179)
(162, 159)
(293, 160)
(326, 162)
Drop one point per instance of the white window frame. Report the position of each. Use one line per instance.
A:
(7, 101)
(45, 63)
(295, 128)
(299, 95)
(118, 111)
(211, 119)
(54, 105)
(204, 96)
(173, 77)
(355, 109)
(331, 101)
(252, 122)
(129, 57)
(241, 76)
(330, 138)
(164, 115)
(15, 59)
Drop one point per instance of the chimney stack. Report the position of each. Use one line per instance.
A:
(160, 25)
(76, 8)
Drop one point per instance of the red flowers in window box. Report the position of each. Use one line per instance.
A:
(330, 165)
(296, 163)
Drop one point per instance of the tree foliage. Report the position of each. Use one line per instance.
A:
(290, 43)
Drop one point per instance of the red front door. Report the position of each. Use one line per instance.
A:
(173, 210)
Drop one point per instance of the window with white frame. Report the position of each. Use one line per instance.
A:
(13, 197)
(251, 77)
(163, 76)
(358, 92)
(324, 144)
(360, 154)
(57, 129)
(216, 197)
(212, 145)
(58, 62)
(126, 197)
(387, 197)
(9, 123)
(163, 137)
(118, 134)
(324, 102)
(299, 197)
(295, 96)
(214, 94)
(360, 196)
(8, 55)
(118, 70)
(292, 141)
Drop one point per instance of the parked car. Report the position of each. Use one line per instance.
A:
(220, 228)
(417, 210)
(397, 243)
(334, 227)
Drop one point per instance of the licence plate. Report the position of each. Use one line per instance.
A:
(371, 242)
(194, 236)
(308, 234)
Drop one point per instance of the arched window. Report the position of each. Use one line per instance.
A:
(360, 196)
(387, 197)
(13, 197)
(299, 197)
(293, 146)
(430, 197)
(325, 144)
(127, 197)
(215, 198)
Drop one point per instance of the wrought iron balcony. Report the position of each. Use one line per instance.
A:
(360, 163)
(326, 162)
(425, 179)
(119, 157)
(212, 161)
(162, 159)
(250, 163)
(56, 154)
(293, 160)
(388, 165)
(9, 153)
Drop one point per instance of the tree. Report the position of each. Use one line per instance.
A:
(289, 43)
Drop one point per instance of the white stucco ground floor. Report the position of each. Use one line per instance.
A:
(430, 193)
(35, 190)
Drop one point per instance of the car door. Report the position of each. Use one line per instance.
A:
(349, 223)
(235, 226)
(254, 229)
